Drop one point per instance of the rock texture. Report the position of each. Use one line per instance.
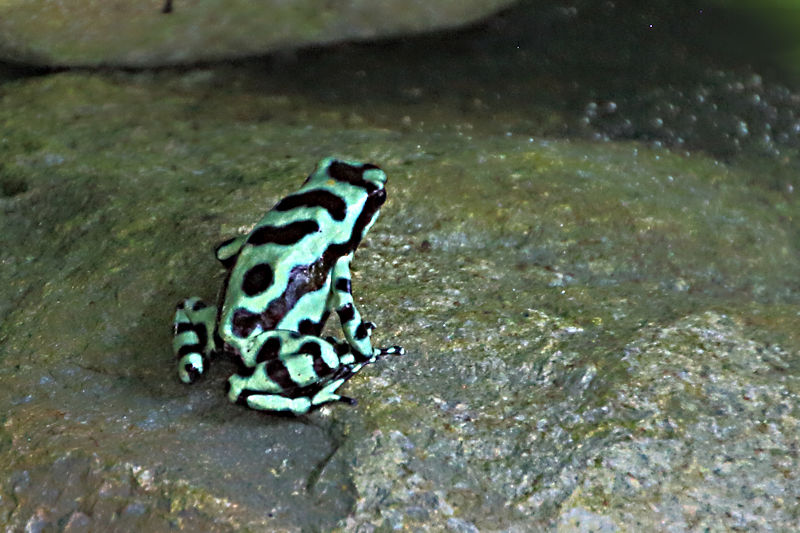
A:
(120, 32)
(602, 333)
(601, 336)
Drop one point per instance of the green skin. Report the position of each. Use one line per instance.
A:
(285, 277)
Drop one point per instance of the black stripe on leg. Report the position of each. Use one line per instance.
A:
(183, 327)
(343, 285)
(346, 313)
(186, 349)
(269, 350)
(199, 329)
(311, 348)
(361, 357)
(202, 335)
(278, 373)
(362, 331)
(321, 368)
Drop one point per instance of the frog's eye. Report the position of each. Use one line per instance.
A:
(378, 197)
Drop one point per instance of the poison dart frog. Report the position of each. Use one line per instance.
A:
(283, 280)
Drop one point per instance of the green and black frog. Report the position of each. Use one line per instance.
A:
(283, 280)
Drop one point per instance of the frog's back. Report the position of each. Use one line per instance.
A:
(287, 258)
(279, 292)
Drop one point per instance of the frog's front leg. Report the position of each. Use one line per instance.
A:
(228, 250)
(356, 331)
(193, 341)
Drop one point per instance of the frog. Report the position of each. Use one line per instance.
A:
(283, 280)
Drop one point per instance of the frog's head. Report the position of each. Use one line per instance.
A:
(360, 185)
(365, 176)
(376, 194)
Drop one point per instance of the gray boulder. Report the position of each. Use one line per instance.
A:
(155, 32)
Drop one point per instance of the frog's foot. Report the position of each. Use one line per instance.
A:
(328, 394)
(239, 393)
(192, 342)
(243, 390)
(277, 403)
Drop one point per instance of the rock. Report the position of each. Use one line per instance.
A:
(601, 335)
(604, 334)
(137, 34)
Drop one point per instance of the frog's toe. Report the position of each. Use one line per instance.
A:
(190, 367)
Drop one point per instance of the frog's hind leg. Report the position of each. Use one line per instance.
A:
(279, 403)
(292, 373)
(193, 341)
